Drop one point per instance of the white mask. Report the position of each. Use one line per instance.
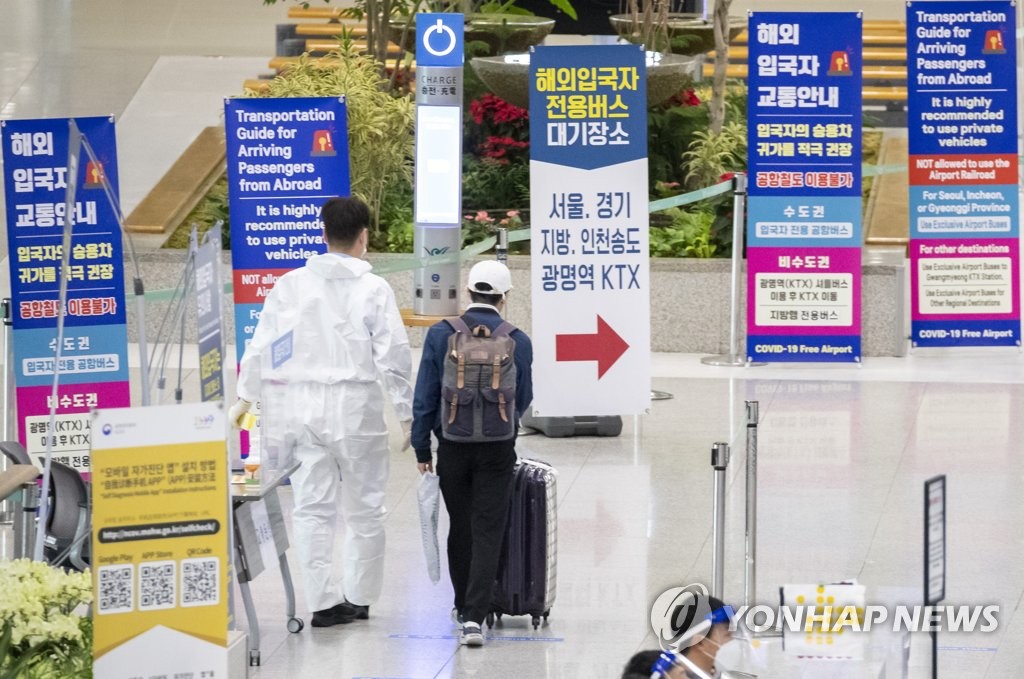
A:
(732, 655)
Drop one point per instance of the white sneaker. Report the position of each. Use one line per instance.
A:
(471, 635)
(456, 617)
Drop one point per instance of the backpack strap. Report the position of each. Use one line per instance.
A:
(458, 325)
(504, 329)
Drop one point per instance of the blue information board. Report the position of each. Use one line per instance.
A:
(964, 168)
(285, 158)
(804, 214)
(94, 367)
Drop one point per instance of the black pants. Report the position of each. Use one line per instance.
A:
(476, 479)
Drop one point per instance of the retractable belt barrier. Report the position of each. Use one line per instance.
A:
(413, 263)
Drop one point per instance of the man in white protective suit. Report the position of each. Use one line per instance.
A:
(328, 331)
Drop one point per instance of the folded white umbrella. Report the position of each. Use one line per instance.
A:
(429, 493)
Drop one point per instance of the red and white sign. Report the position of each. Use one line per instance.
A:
(589, 219)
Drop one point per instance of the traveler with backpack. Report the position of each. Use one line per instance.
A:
(473, 383)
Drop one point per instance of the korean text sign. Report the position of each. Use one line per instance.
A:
(964, 205)
(93, 370)
(209, 324)
(804, 216)
(160, 542)
(285, 158)
(588, 204)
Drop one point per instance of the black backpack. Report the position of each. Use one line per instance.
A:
(478, 386)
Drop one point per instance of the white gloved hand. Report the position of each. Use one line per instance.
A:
(237, 412)
(407, 431)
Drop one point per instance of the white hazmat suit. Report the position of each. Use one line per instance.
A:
(327, 332)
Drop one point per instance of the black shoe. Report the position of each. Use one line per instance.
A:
(354, 611)
(329, 617)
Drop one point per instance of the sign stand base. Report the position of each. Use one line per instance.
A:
(730, 360)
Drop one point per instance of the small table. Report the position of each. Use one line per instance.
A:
(414, 320)
(260, 536)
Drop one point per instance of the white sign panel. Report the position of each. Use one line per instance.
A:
(589, 218)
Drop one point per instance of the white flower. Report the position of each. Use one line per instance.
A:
(39, 603)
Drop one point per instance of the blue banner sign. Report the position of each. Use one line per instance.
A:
(285, 158)
(94, 366)
(804, 214)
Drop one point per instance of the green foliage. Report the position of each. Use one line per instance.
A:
(380, 124)
(487, 184)
(400, 237)
(712, 155)
(396, 220)
(670, 130)
(688, 235)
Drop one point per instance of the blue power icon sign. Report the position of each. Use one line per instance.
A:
(439, 39)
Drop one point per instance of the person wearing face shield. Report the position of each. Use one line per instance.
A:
(716, 633)
(698, 646)
(645, 664)
(328, 335)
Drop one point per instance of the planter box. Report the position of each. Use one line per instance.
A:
(689, 301)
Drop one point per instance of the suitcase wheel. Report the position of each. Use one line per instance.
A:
(489, 620)
(536, 622)
(498, 618)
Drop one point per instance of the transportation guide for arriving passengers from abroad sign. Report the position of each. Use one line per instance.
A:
(804, 215)
(964, 205)
(588, 205)
(94, 366)
(285, 158)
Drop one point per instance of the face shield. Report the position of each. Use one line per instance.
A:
(728, 652)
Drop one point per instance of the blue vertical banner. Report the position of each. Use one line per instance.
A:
(209, 320)
(94, 366)
(589, 221)
(804, 231)
(964, 206)
(285, 158)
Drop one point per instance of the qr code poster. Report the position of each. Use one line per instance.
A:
(157, 585)
(200, 582)
(116, 589)
(161, 520)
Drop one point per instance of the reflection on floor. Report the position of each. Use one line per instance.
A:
(842, 461)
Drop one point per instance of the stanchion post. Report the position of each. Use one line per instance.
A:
(8, 368)
(25, 522)
(750, 572)
(719, 462)
(140, 325)
(736, 356)
(501, 245)
(6, 511)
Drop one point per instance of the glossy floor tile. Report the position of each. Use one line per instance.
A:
(841, 466)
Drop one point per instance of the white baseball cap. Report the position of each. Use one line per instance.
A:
(494, 274)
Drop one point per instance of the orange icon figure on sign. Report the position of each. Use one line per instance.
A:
(93, 175)
(993, 42)
(322, 143)
(840, 64)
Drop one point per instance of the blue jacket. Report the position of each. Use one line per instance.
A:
(426, 404)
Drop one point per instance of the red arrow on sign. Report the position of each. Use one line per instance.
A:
(605, 347)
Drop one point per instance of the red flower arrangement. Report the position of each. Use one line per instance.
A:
(685, 97)
(503, 149)
(503, 130)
